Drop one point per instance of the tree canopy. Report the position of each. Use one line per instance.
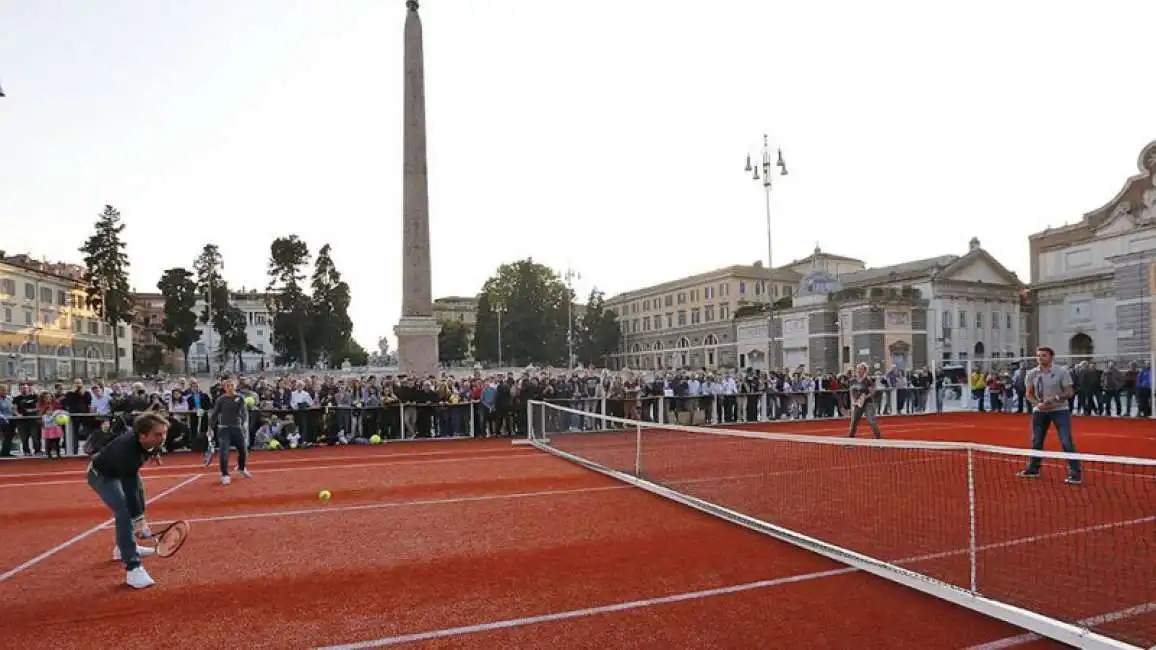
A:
(289, 305)
(178, 286)
(531, 301)
(597, 335)
(106, 275)
(453, 342)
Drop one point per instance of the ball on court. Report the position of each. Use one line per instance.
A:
(250, 400)
(375, 439)
(324, 495)
(62, 419)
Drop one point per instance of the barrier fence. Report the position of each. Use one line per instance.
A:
(21, 435)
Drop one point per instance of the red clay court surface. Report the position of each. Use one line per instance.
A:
(481, 544)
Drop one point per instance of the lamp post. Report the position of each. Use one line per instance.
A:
(570, 276)
(766, 181)
(499, 310)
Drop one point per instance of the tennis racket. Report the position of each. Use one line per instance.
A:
(171, 538)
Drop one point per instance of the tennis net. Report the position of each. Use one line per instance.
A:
(1075, 563)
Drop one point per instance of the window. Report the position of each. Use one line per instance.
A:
(709, 313)
(669, 320)
(709, 293)
(93, 328)
(947, 357)
(200, 348)
(657, 321)
(995, 320)
(946, 320)
(45, 318)
(28, 320)
(682, 298)
(46, 295)
(1009, 320)
(8, 287)
(758, 288)
(78, 325)
(7, 314)
(962, 319)
(634, 326)
(742, 288)
(62, 297)
(724, 312)
(120, 331)
(29, 291)
(646, 323)
(669, 301)
(120, 351)
(979, 320)
(681, 317)
(695, 316)
(724, 289)
(787, 291)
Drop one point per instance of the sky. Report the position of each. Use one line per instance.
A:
(607, 137)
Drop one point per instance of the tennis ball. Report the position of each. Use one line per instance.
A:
(249, 400)
(62, 419)
(324, 495)
(375, 439)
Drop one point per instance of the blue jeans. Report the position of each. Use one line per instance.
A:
(232, 436)
(1063, 421)
(111, 492)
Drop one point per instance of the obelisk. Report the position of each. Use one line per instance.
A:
(417, 332)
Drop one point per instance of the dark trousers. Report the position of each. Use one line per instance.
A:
(1041, 421)
(227, 436)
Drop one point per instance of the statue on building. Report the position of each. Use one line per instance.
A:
(1148, 212)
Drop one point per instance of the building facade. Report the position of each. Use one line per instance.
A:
(456, 309)
(205, 355)
(48, 332)
(148, 352)
(946, 309)
(687, 323)
(1093, 280)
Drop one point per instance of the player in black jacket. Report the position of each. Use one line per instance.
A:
(114, 474)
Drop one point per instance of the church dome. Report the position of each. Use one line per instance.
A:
(818, 282)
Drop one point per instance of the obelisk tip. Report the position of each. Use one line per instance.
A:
(411, 5)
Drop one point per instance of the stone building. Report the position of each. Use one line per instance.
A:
(1093, 280)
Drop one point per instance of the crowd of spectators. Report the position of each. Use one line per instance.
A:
(335, 409)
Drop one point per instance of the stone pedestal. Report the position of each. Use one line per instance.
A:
(417, 345)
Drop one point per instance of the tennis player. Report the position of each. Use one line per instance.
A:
(230, 420)
(862, 404)
(1048, 389)
(114, 474)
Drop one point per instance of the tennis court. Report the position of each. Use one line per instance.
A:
(481, 544)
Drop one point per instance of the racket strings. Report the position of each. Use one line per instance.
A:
(172, 538)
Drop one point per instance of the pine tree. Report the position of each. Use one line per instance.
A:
(331, 326)
(106, 276)
(180, 321)
(289, 306)
(212, 286)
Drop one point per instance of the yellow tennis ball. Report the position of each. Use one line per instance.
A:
(324, 495)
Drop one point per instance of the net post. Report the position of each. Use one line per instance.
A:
(70, 442)
(543, 420)
(661, 409)
(401, 420)
(965, 394)
(638, 450)
(973, 537)
(471, 416)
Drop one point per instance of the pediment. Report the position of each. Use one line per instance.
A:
(980, 267)
(1120, 223)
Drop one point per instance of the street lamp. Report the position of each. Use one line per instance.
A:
(766, 180)
(570, 276)
(499, 310)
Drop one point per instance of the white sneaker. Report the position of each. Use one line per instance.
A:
(141, 551)
(225, 480)
(245, 473)
(138, 578)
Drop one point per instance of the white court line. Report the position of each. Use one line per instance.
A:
(589, 611)
(313, 459)
(496, 497)
(1110, 617)
(703, 594)
(257, 468)
(91, 531)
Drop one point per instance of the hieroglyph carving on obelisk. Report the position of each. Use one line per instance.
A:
(417, 332)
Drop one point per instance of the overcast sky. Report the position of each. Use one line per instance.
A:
(606, 136)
